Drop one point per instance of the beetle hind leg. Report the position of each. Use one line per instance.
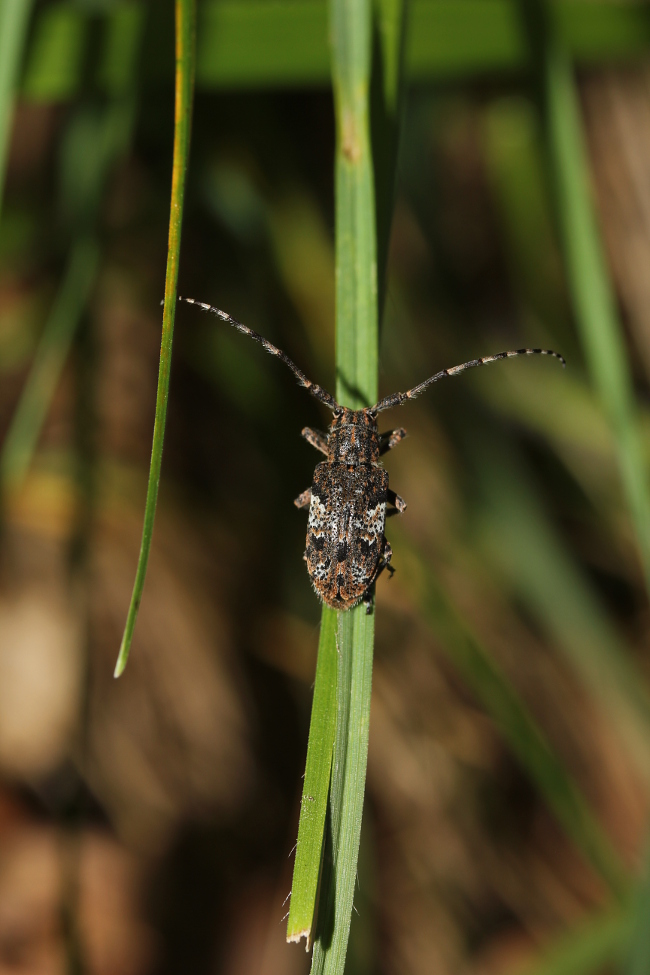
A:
(384, 563)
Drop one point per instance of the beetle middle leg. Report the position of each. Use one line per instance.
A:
(303, 500)
(399, 504)
(389, 440)
(316, 438)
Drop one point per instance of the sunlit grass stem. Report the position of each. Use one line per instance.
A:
(185, 71)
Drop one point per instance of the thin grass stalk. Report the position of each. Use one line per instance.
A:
(356, 386)
(14, 20)
(185, 74)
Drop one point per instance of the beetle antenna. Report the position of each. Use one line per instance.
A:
(317, 391)
(397, 399)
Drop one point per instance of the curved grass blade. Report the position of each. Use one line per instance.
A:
(14, 19)
(588, 277)
(315, 792)
(185, 69)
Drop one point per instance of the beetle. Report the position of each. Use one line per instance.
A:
(349, 499)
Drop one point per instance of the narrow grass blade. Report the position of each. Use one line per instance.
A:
(185, 68)
(516, 724)
(48, 364)
(14, 19)
(593, 299)
(313, 808)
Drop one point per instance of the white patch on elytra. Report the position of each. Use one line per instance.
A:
(317, 514)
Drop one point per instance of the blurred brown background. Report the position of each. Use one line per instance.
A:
(146, 825)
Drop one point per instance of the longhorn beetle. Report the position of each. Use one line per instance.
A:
(346, 547)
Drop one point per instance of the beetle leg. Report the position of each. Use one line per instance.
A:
(316, 438)
(303, 500)
(384, 563)
(389, 440)
(386, 556)
(394, 499)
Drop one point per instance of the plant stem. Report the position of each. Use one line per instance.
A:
(185, 70)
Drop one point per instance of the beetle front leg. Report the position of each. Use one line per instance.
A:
(316, 438)
(303, 500)
(389, 440)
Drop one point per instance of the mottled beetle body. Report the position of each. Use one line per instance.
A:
(346, 546)
(350, 499)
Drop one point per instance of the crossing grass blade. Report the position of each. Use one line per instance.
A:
(185, 70)
(14, 20)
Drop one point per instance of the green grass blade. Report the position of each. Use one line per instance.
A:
(313, 808)
(14, 19)
(356, 245)
(185, 68)
(516, 724)
(48, 364)
(356, 363)
(587, 273)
